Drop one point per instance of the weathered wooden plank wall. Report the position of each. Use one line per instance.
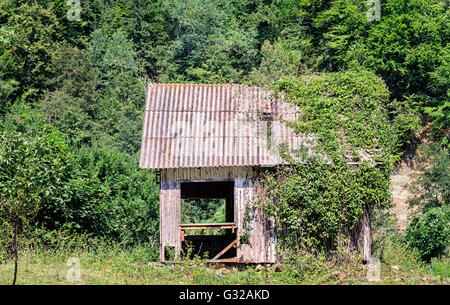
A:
(260, 247)
(169, 222)
(207, 173)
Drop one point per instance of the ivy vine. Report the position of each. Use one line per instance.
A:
(316, 201)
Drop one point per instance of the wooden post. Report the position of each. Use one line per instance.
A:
(366, 235)
(169, 207)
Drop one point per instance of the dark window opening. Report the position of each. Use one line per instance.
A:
(206, 206)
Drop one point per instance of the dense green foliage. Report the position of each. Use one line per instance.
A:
(89, 190)
(203, 211)
(235, 41)
(347, 111)
(111, 197)
(316, 202)
(72, 94)
(32, 176)
(430, 233)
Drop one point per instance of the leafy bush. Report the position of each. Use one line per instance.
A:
(111, 197)
(49, 186)
(430, 232)
(203, 211)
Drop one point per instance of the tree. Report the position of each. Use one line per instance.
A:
(148, 26)
(225, 58)
(32, 175)
(196, 23)
(408, 48)
(71, 101)
(278, 61)
(112, 54)
(28, 42)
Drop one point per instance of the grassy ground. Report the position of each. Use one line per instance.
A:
(112, 265)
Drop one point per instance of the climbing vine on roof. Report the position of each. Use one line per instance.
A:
(346, 111)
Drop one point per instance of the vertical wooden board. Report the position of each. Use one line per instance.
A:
(237, 209)
(261, 245)
(245, 252)
(170, 216)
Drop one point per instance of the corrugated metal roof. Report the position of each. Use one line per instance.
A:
(198, 125)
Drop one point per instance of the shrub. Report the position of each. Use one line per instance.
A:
(111, 197)
(430, 232)
(51, 188)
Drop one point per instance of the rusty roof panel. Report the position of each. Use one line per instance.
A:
(199, 125)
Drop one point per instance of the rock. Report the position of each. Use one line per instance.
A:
(279, 267)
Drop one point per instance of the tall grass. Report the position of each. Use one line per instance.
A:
(109, 263)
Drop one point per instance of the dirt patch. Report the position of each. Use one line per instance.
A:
(400, 182)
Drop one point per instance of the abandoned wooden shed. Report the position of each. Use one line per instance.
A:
(210, 141)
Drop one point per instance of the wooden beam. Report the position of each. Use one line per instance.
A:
(208, 224)
(224, 260)
(225, 250)
(200, 226)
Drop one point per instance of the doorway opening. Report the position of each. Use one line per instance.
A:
(207, 225)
